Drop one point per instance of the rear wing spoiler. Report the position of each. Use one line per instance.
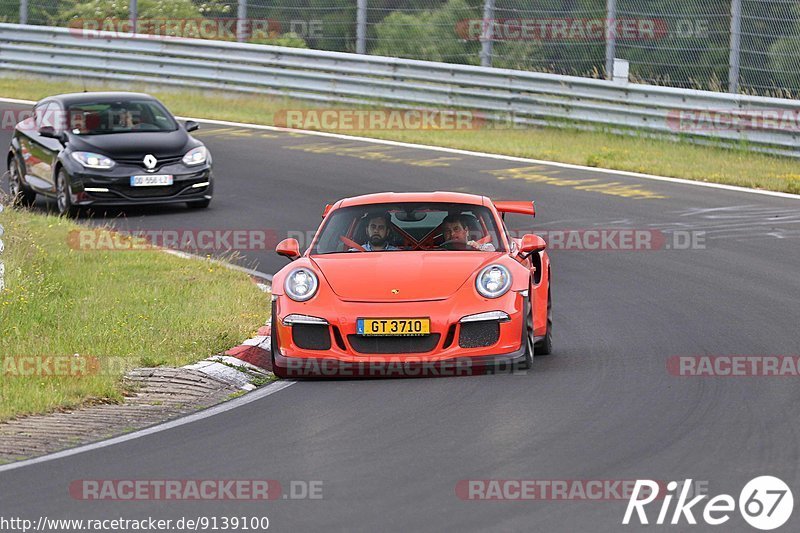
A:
(513, 206)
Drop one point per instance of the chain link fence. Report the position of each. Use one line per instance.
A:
(689, 47)
(750, 46)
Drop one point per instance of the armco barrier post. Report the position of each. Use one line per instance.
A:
(611, 37)
(23, 11)
(361, 27)
(133, 14)
(487, 33)
(241, 21)
(736, 41)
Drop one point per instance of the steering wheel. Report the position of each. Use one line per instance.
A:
(352, 244)
(455, 244)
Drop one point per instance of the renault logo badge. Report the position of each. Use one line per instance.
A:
(150, 161)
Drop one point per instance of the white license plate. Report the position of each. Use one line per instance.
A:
(151, 180)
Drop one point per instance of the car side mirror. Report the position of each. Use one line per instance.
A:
(288, 248)
(531, 244)
(191, 125)
(50, 133)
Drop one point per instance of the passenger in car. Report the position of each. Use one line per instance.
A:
(456, 230)
(378, 230)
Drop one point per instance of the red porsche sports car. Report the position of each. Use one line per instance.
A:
(412, 284)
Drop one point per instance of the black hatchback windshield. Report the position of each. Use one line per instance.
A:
(409, 227)
(125, 116)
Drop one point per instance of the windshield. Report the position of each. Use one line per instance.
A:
(124, 116)
(409, 227)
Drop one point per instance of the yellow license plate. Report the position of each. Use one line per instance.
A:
(393, 326)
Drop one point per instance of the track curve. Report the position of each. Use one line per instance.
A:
(603, 407)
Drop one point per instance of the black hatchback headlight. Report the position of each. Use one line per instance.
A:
(196, 156)
(93, 160)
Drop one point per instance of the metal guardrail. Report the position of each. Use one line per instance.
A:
(510, 95)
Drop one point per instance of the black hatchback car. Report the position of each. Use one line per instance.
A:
(107, 149)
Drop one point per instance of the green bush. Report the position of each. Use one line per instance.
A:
(285, 39)
(159, 10)
(785, 62)
(148, 9)
(426, 36)
(435, 36)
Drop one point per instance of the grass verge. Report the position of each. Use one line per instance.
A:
(116, 310)
(596, 149)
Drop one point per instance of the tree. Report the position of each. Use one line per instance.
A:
(443, 35)
(161, 12)
(784, 61)
(118, 9)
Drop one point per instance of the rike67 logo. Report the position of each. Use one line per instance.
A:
(765, 503)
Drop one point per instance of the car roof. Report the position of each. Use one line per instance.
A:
(399, 197)
(80, 98)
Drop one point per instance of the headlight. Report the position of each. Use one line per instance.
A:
(493, 281)
(195, 156)
(92, 160)
(301, 284)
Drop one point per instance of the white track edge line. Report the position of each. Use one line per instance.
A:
(206, 413)
(471, 153)
(503, 157)
(232, 266)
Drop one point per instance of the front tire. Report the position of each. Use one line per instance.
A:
(544, 346)
(278, 371)
(64, 195)
(20, 195)
(527, 362)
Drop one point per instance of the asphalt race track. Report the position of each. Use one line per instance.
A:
(390, 453)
